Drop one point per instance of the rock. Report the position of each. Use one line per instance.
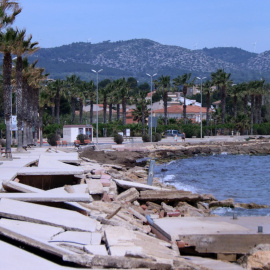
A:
(251, 205)
(167, 208)
(257, 259)
(224, 203)
(188, 210)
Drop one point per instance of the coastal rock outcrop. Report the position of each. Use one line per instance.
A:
(257, 258)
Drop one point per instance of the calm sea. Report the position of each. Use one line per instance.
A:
(244, 178)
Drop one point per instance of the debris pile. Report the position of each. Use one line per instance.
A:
(105, 220)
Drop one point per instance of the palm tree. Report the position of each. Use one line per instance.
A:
(91, 95)
(72, 84)
(164, 83)
(8, 12)
(185, 81)
(56, 89)
(222, 80)
(36, 81)
(44, 100)
(7, 41)
(206, 87)
(236, 91)
(255, 92)
(141, 112)
(123, 91)
(258, 101)
(252, 87)
(105, 92)
(83, 90)
(22, 46)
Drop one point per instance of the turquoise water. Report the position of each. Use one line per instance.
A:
(244, 178)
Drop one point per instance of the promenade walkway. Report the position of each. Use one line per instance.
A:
(39, 161)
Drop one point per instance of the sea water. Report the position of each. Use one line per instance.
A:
(244, 178)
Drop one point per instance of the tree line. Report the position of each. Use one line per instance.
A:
(240, 104)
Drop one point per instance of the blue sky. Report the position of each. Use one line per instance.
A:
(192, 24)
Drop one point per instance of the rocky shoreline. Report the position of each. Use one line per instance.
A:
(131, 165)
(251, 147)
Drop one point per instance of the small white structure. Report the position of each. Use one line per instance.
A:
(70, 132)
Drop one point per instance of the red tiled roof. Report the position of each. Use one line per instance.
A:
(149, 94)
(179, 109)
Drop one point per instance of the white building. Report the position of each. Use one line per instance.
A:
(70, 132)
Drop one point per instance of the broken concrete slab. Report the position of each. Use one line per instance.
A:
(82, 238)
(94, 186)
(13, 186)
(96, 249)
(66, 219)
(137, 242)
(212, 264)
(46, 197)
(26, 260)
(223, 235)
(129, 195)
(31, 229)
(128, 184)
(34, 242)
(79, 189)
(115, 262)
(169, 195)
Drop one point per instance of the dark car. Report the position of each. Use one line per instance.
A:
(172, 133)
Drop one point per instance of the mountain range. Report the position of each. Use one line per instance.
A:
(137, 57)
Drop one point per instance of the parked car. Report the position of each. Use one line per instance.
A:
(172, 133)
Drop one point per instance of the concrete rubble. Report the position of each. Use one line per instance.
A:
(104, 217)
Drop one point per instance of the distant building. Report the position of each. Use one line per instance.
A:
(176, 111)
(70, 132)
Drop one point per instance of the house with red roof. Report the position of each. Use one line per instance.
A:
(176, 111)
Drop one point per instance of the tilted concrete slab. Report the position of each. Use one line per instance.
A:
(78, 189)
(128, 184)
(213, 264)
(83, 238)
(96, 249)
(25, 260)
(66, 219)
(47, 197)
(120, 240)
(218, 234)
(35, 230)
(48, 163)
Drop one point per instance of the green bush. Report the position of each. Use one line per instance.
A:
(52, 128)
(53, 138)
(156, 137)
(146, 138)
(82, 137)
(118, 139)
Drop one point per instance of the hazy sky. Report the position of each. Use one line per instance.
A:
(192, 24)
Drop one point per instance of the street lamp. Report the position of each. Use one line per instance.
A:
(151, 123)
(97, 72)
(201, 102)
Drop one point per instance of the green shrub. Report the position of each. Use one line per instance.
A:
(146, 138)
(156, 137)
(53, 138)
(52, 128)
(118, 139)
(82, 137)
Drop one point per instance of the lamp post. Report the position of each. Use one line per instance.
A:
(151, 123)
(201, 102)
(97, 72)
